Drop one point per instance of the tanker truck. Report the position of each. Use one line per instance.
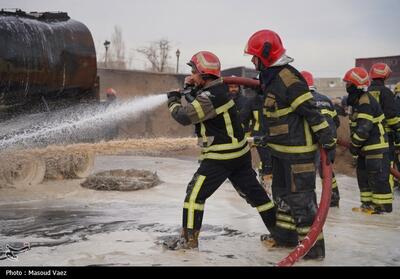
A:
(47, 63)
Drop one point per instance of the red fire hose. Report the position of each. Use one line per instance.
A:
(253, 83)
(323, 208)
(346, 144)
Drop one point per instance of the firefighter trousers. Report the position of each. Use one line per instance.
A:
(373, 180)
(293, 188)
(211, 174)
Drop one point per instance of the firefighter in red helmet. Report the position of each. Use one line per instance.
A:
(294, 127)
(327, 109)
(369, 142)
(225, 152)
(111, 95)
(378, 73)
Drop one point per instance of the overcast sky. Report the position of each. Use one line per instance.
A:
(323, 36)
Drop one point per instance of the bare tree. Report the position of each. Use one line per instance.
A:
(157, 54)
(118, 44)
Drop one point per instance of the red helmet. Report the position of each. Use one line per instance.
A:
(357, 76)
(111, 91)
(266, 45)
(309, 78)
(380, 70)
(206, 62)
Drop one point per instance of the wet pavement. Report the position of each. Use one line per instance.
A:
(66, 224)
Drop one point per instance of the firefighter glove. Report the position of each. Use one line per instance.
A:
(174, 97)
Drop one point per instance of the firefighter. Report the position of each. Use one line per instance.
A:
(370, 143)
(225, 151)
(397, 157)
(235, 93)
(378, 73)
(111, 95)
(294, 126)
(327, 109)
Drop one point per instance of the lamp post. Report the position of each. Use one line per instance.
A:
(177, 60)
(106, 45)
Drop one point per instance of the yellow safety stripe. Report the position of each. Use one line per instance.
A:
(171, 108)
(307, 133)
(355, 136)
(334, 183)
(301, 99)
(278, 113)
(286, 225)
(320, 236)
(229, 128)
(257, 121)
(284, 217)
(375, 146)
(321, 126)
(192, 200)
(374, 156)
(225, 156)
(382, 201)
(371, 118)
(199, 109)
(392, 121)
(225, 107)
(203, 132)
(225, 146)
(265, 207)
(197, 206)
(331, 113)
(293, 149)
(382, 196)
(366, 194)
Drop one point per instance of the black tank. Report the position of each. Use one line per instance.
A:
(45, 54)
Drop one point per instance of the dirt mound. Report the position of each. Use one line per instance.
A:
(121, 180)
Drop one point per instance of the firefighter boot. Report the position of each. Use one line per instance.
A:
(317, 252)
(273, 241)
(382, 208)
(186, 241)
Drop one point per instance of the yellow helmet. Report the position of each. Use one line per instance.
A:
(397, 88)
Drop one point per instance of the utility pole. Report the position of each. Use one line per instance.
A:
(177, 60)
(106, 45)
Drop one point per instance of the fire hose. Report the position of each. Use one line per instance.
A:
(346, 144)
(308, 242)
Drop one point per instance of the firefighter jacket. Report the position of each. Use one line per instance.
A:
(385, 98)
(294, 123)
(326, 108)
(367, 126)
(216, 121)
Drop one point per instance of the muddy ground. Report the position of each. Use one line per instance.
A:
(66, 224)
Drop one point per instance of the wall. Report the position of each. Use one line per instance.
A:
(129, 84)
